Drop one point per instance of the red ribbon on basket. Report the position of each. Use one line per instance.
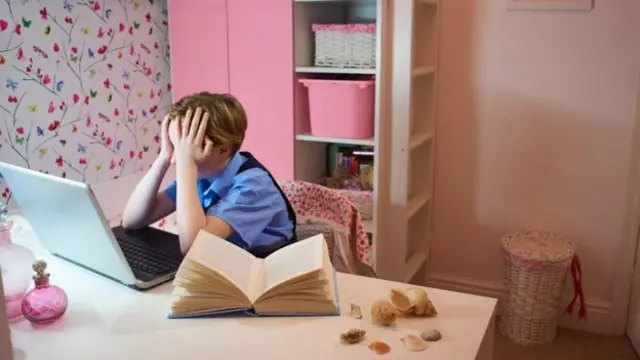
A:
(578, 294)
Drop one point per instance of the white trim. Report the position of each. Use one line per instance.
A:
(625, 256)
(599, 319)
(550, 5)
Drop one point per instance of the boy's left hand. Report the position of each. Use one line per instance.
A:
(190, 143)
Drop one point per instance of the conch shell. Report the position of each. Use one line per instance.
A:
(400, 300)
(412, 301)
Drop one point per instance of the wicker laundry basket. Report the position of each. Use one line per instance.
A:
(535, 274)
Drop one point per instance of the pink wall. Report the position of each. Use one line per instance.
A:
(536, 113)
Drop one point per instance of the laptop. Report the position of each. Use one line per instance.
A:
(66, 217)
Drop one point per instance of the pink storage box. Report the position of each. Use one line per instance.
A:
(341, 108)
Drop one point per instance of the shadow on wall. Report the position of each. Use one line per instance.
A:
(456, 146)
(84, 85)
(533, 162)
(514, 152)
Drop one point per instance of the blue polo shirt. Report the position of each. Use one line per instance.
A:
(249, 202)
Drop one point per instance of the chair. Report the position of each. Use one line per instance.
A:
(321, 210)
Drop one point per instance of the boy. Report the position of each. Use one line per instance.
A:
(217, 189)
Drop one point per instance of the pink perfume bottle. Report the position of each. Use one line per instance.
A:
(45, 303)
(15, 265)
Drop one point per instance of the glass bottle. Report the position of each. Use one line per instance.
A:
(45, 303)
(15, 265)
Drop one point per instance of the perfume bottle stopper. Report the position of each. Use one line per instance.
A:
(40, 278)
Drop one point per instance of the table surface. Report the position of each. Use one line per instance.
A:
(106, 320)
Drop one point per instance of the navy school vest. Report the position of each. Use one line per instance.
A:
(263, 251)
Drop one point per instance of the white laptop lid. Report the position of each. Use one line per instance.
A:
(68, 221)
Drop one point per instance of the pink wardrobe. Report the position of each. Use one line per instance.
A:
(258, 50)
(242, 47)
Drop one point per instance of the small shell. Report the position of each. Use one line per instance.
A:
(401, 301)
(383, 313)
(422, 305)
(356, 312)
(379, 347)
(353, 336)
(431, 335)
(413, 343)
(418, 298)
(430, 310)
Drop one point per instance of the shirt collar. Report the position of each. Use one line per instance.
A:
(225, 177)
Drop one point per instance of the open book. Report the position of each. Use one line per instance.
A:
(217, 277)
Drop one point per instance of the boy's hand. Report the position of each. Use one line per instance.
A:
(191, 144)
(166, 147)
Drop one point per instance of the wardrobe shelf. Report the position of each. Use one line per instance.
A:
(419, 139)
(416, 203)
(332, 140)
(328, 70)
(423, 71)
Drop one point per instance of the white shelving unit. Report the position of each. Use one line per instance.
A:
(404, 141)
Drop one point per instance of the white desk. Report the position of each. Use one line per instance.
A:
(106, 320)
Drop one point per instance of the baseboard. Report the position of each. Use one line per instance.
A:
(599, 319)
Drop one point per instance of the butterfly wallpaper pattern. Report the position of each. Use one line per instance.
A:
(84, 85)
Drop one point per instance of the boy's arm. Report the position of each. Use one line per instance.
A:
(146, 205)
(191, 218)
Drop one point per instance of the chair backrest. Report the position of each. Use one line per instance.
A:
(323, 210)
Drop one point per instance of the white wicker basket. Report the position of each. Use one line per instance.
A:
(535, 274)
(345, 45)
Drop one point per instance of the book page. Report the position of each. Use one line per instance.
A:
(294, 260)
(228, 260)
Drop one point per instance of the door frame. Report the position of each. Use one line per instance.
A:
(624, 263)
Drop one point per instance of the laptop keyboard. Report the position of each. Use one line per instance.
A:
(144, 258)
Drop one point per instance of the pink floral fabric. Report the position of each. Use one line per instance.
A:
(315, 201)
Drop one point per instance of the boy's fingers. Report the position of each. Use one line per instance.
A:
(179, 127)
(165, 124)
(186, 121)
(195, 123)
(202, 128)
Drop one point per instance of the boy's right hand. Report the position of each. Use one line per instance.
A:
(166, 147)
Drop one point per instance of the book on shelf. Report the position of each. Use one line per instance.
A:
(219, 278)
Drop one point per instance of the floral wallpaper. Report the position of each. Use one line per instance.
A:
(84, 85)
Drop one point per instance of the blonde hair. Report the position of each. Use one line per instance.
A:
(227, 119)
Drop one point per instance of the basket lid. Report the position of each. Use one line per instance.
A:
(538, 246)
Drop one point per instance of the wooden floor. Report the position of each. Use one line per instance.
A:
(569, 345)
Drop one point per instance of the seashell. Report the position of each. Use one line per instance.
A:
(379, 347)
(431, 335)
(356, 312)
(401, 301)
(413, 343)
(430, 310)
(422, 305)
(353, 336)
(383, 313)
